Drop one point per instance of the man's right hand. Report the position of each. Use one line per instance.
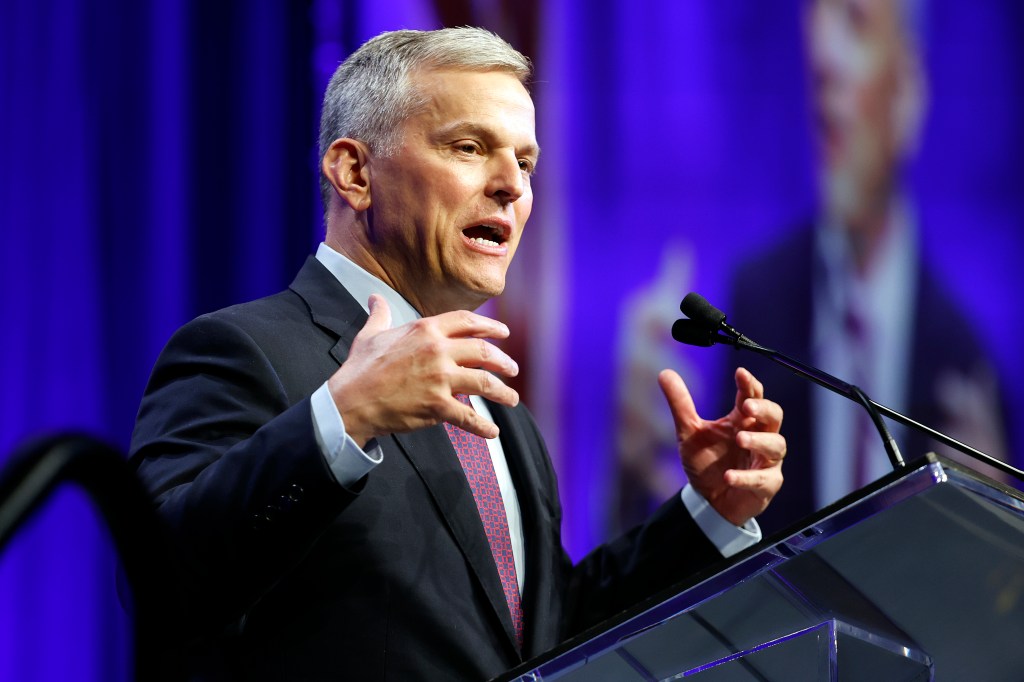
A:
(402, 379)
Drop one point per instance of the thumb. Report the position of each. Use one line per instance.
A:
(380, 315)
(680, 402)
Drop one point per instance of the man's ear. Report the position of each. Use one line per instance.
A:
(346, 167)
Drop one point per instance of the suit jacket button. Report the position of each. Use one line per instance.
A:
(260, 522)
(272, 513)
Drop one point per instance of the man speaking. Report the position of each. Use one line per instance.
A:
(351, 490)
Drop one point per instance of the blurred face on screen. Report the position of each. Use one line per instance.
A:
(865, 100)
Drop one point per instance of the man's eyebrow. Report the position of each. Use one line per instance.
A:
(533, 150)
(476, 130)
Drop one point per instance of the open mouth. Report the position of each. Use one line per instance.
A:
(486, 235)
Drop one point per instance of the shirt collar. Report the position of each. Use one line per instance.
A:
(361, 284)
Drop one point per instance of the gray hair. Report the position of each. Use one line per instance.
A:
(371, 93)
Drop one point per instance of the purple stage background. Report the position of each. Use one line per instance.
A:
(157, 162)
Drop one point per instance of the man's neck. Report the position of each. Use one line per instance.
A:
(362, 255)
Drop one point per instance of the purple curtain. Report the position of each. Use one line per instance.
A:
(157, 160)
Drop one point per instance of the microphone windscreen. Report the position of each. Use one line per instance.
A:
(696, 307)
(693, 333)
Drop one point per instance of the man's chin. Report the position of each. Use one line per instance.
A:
(479, 292)
(468, 296)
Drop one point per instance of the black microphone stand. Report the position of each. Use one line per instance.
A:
(696, 332)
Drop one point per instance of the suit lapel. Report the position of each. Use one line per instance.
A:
(429, 450)
(330, 305)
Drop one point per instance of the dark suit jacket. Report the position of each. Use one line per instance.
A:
(287, 575)
(779, 316)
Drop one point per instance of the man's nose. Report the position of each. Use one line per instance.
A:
(507, 180)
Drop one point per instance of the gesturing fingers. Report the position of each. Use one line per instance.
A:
(460, 337)
(747, 386)
(468, 364)
(477, 382)
(766, 414)
(397, 379)
(763, 483)
(771, 447)
(468, 419)
(484, 384)
(463, 323)
(478, 353)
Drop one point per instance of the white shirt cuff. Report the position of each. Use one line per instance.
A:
(347, 461)
(729, 539)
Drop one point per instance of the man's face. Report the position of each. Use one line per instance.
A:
(449, 206)
(857, 63)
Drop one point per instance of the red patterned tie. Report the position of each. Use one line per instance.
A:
(476, 462)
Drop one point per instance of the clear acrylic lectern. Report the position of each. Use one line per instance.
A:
(918, 576)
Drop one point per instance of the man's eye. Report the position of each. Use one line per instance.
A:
(526, 166)
(468, 148)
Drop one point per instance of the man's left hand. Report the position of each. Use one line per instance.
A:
(734, 462)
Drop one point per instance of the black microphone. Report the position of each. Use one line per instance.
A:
(693, 333)
(697, 308)
(705, 327)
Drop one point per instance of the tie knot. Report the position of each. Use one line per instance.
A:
(463, 398)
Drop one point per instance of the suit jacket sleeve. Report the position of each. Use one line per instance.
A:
(667, 549)
(231, 459)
